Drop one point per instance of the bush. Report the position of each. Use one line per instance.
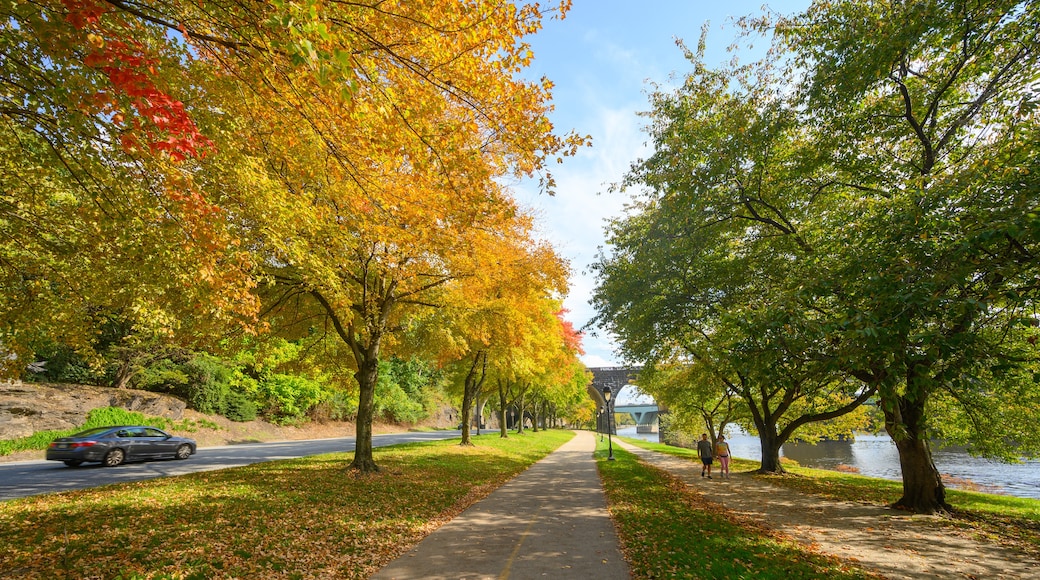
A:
(339, 405)
(407, 390)
(239, 407)
(62, 364)
(209, 384)
(164, 376)
(392, 403)
(287, 398)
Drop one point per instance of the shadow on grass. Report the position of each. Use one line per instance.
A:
(670, 530)
(298, 518)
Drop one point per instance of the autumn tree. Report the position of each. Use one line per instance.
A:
(491, 308)
(539, 363)
(340, 155)
(101, 216)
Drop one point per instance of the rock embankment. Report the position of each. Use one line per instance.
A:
(28, 407)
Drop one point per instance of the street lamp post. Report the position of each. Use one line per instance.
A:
(610, 442)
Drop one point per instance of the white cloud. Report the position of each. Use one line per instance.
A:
(573, 220)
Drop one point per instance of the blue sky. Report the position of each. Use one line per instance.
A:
(604, 58)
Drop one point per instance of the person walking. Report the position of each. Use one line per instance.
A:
(722, 452)
(704, 450)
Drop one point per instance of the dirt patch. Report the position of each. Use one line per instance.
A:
(895, 544)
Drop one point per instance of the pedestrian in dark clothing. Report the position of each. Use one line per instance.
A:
(704, 450)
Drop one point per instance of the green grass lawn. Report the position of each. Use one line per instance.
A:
(671, 531)
(302, 518)
(311, 517)
(1010, 520)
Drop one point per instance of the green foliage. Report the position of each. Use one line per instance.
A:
(238, 406)
(678, 432)
(208, 384)
(286, 399)
(392, 403)
(120, 416)
(247, 385)
(849, 233)
(165, 375)
(407, 390)
(340, 405)
(59, 363)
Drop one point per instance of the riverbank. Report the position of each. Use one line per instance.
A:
(864, 534)
(876, 456)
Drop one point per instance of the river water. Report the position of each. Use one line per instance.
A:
(876, 456)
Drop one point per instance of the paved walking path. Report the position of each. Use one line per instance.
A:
(551, 521)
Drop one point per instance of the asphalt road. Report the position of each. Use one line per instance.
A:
(26, 478)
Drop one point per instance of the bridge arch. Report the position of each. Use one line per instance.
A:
(616, 378)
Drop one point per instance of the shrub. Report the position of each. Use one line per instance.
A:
(239, 406)
(287, 398)
(62, 364)
(208, 384)
(392, 403)
(407, 391)
(339, 405)
(164, 376)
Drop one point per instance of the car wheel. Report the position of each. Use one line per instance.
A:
(73, 462)
(114, 457)
(183, 452)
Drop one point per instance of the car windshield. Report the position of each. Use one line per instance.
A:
(91, 432)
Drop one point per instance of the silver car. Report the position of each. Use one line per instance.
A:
(112, 446)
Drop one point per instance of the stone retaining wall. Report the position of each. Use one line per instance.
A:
(29, 407)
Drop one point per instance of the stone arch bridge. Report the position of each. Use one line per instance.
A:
(618, 378)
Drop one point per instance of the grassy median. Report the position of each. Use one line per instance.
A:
(305, 518)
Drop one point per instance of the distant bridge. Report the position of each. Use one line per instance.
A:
(644, 415)
(618, 378)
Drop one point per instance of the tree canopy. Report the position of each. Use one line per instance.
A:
(855, 213)
(313, 169)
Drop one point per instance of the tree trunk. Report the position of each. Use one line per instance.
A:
(471, 387)
(519, 401)
(502, 410)
(923, 490)
(467, 405)
(770, 451)
(366, 376)
(123, 375)
(479, 412)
